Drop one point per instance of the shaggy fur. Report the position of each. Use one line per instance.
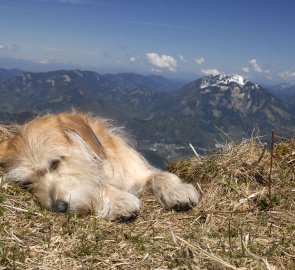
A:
(74, 162)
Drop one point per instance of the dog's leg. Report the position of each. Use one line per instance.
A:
(172, 193)
(116, 204)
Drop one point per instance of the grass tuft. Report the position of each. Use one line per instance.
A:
(234, 226)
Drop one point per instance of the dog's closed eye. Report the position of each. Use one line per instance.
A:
(54, 164)
(26, 185)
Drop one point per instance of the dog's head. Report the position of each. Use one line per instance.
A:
(58, 159)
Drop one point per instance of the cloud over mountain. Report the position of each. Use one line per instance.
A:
(162, 61)
(200, 61)
(246, 69)
(287, 74)
(254, 64)
(212, 71)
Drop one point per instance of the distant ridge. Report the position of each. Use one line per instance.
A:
(6, 74)
(285, 91)
(154, 109)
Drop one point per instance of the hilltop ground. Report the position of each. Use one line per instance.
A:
(236, 225)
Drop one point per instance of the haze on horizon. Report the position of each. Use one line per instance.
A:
(177, 39)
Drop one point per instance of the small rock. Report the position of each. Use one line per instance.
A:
(32, 254)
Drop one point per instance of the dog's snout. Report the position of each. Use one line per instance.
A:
(60, 206)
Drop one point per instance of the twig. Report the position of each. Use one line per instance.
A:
(228, 212)
(20, 209)
(199, 187)
(13, 236)
(241, 201)
(270, 169)
(229, 238)
(15, 208)
(255, 163)
(194, 150)
(224, 133)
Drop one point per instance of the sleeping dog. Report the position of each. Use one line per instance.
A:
(78, 163)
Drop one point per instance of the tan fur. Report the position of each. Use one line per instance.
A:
(74, 162)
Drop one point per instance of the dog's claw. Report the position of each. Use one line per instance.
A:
(183, 206)
(130, 218)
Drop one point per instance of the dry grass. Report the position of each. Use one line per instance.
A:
(234, 226)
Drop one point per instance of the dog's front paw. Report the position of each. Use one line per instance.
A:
(121, 206)
(180, 198)
(173, 193)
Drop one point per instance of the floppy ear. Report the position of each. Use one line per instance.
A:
(78, 131)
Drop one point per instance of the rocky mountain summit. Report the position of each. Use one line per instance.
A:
(232, 104)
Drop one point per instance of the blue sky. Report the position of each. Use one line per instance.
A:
(178, 39)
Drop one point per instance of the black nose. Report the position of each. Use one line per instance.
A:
(60, 206)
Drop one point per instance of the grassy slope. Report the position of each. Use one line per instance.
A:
(233, 227)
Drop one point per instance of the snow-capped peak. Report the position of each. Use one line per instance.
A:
(222, 79)
(238, 79)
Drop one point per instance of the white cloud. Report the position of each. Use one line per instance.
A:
(47, 61)
(246, 69)
(181, 58)
(44, 61)
(132, 59)
(257, 68)
(200, 61)
(254, 64)
(287, 74)
(156, 70)
(212, 71)
(162, 61)
(10, 48)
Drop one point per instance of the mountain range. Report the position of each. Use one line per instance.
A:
(164, 115)
(285, 91)
(6, 74)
